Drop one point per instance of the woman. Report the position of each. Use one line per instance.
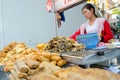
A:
(94, 25)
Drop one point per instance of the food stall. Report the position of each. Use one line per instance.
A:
(26, 63)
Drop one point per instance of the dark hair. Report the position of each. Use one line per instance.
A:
(89, 7)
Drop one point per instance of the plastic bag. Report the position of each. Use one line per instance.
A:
(89, 40)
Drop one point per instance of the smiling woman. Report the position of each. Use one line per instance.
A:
(94, 25)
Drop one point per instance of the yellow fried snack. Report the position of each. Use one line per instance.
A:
(32, 64)
(61, 62)
(22, 66)
(55, 58)
(46, 54)
(41, 46)
(54, 62)
(42, 58)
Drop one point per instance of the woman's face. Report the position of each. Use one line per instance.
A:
(87, 13)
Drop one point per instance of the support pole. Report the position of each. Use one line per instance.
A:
(56, 25)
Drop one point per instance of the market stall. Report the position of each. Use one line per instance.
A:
(47, 60)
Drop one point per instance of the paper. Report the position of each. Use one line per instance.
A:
(114, 69)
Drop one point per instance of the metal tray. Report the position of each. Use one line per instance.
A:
(91, 58)
(78, 56)
(84, 54)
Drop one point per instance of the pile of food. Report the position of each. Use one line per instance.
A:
(26, 63)
(61, 44)
(19, 51)
(25, 70)
(30, 69)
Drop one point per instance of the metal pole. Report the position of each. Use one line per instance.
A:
(56, 25)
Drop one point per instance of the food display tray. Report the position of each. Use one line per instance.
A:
(83, 54)
(78, 56)
(91, 57)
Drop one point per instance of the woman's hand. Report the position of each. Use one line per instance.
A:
(101, 44)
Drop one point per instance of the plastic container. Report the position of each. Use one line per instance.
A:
(89, 40)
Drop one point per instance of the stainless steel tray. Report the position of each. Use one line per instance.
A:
(84, 54)
(78, 56)
(91, 58)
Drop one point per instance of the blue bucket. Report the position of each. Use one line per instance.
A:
(89, 40)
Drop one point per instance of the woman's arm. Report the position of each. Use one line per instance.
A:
(106, 33)
(75, 34)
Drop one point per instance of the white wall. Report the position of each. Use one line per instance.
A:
(28, 21)
(1, 27)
